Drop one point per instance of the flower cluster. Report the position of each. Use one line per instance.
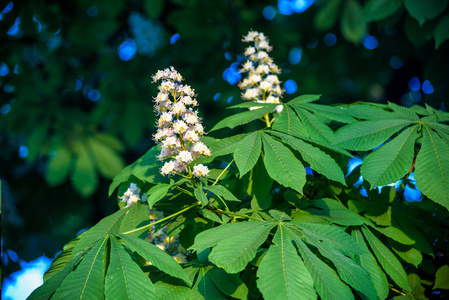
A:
(160, 238)
(132, 195)
(261, 84)
(179, 127)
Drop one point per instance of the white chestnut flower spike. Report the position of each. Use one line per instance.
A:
(179, 127)
(261, 83)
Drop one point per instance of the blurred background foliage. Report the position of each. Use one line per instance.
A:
(76, 93)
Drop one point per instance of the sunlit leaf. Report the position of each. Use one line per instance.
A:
(247, 152)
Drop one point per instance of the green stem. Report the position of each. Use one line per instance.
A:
(227, 208)
(183, 190)
(267, 120)
(162, 220)
(222, 172)
(239, 215)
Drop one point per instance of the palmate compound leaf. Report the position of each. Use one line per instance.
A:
(325, 280)
(387, 260)
(52, 283)
(245, 117)
(317, 130)
(229, 284)
(335, 212)
(124, 278)
(282, 274)
(234, 244)
(168, 289)
(221, 191)
(330, 112)
(87, 280)
(136, 216)
(110, 224)
(282, 165)
(347, 268)
(247, 152)
(204, 288)
(432, 168)
(289, 122)
(319, 161)
(392, 161)
(157, 257)
(369, 263)
(366, 135)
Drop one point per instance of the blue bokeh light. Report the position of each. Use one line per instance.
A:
(6, 10)
(92, 11)
(294, 56)
(309, 171)
(269, 13)
(174, 38)
(217, 96)
(14, 30)
(19, 285)
(396, 62)
(5, 109)
(411, 191)
(78, 85)
(230, 99)
(228, 56)
(149, 35)
(427, 87)
(312, 44)
(4, 69)
(23, 151)
(232, 74)
(414, 84)
(288, 7)
(370, 42)
(353, 164)
(39, 25)
(415, 96)
(290, 86)
(16, 70)
(330, 39)
(127, 50)
(8, 88)
(94, 95)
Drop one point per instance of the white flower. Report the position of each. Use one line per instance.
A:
(179, 108)
(263, 69)
(249, 51)
(250, 36)
(179, 126)
(266, 86)
(166, 117)
(184, 156)
(248, 65)
(168, 167)
(255, 78)
(190, 118)
(251, 93)
(191, 136)
(272, 99)
(200, 170)
(279, 108)
(200, 148)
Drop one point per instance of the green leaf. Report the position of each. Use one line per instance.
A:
(392, 161)
(405, 112)
(282, 274)
(337, 238)
(259, 186)
(327, 16)
(87, 280)
(59, 166)
(352, 23)
(157, 192)
(317, 130)
(124, 278)
(333, 113)
(289, 122)
(442, 278)
(204, 288)
(387, 260)
(110, 224)
(157, 257)
(279, 216)
(61, 261)
(109, 163)
(168, 290)
(441, 32)
(201, 196)
(244, 117)
(368, 112)
(376, 10)
(366, 135)
(432, 168)
(137, 216)
(349, 271)
(210, 215)
(417, 34)
(335, 212)
(394, 233)
(52, 283)
(282, 165)
(408, 253)
(425, 10)
(319, 161)
(247, 152)
(229, 284)
(305, 98)
(84, 178)
(233, 254)
(221, 191)
(249, 104)
(225, 146)
(325, 279)
(369, 263)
